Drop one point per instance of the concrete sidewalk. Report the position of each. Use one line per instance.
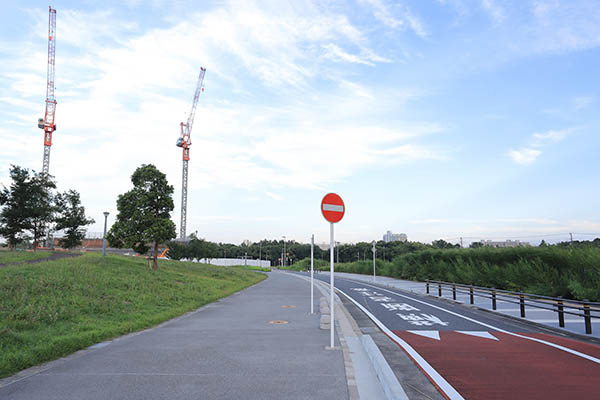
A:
(236, 348)
(573, 324)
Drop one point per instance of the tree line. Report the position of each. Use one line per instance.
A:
(31, 208)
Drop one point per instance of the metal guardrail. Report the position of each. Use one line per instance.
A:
(557, 304)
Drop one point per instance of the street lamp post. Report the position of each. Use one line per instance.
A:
(374, 251)
(284, 253)
(104, 236)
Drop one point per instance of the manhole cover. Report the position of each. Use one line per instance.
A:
(278, 322)
(288, 306)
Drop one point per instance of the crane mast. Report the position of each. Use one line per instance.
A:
(47, 123)
(184, 142)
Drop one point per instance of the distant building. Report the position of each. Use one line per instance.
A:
(506, 243)
(394, 237)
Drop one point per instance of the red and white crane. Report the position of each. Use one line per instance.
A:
(47, 123)
(185, 143)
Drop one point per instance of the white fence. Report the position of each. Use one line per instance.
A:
(227, 262)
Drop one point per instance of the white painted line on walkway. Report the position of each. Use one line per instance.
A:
(566, 349)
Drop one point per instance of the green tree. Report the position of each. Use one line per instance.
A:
(14, 200)
(28, 206)
(144, 213)
(71, 219)
(42, 208)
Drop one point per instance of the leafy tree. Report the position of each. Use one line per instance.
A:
(442, 244)
(13, 218)
(28, 206)
(144, 213)
(72, 219)
(41, 210)
(475, 245)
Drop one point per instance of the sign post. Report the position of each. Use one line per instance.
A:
(312, 264)
(332, 207)
(374, 251)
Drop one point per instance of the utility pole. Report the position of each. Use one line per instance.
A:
(461, 243)
(571, 237)
(312, 265)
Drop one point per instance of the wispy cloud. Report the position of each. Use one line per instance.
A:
(528, 155)
(552, 136)
(495, 11)
(429, 221)
(402, 19)
(524, 156)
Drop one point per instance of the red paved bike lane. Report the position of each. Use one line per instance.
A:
(510, 367)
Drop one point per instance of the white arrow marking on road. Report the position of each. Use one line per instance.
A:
(481, 334)
(428, 334)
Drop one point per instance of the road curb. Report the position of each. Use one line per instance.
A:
(387, 379)
(389, 382)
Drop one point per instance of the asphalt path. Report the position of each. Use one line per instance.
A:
(261, 343)
(471, 354)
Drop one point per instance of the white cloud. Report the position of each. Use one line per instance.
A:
(582, 102)
(495, 11)
(405, 18)
(429, 221)
(274, 196)
(524, 156)
(552, 136)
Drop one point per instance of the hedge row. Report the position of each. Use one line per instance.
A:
(551, 271)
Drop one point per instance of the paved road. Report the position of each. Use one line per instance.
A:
(477, 355)
(226, 350)
(573, 323)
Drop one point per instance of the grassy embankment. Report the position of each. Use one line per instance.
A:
(9, 257)
(51, 309)
(551, 271)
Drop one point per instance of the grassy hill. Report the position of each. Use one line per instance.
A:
(51, 309)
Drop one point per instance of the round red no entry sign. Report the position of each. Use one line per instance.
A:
(332, 207)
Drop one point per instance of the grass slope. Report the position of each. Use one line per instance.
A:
(9, 257)
(51, 309)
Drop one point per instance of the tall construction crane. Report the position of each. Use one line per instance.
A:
(47, 123)
(185, 143)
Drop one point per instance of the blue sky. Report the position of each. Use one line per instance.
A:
(436, 118)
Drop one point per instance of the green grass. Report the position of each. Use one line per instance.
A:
(9, 257)
(51, 309)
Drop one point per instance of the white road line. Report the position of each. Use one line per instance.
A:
(571, 351)
(443, 384)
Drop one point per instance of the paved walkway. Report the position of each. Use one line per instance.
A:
(225, 350)
(549, 318)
